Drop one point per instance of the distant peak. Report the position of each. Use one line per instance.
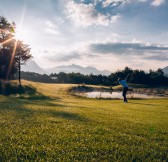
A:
(77, 69)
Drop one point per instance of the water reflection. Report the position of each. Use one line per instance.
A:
(117, 95)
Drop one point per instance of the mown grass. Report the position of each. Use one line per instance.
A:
(68, 128)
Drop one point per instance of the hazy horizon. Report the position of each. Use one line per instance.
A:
(108, 35)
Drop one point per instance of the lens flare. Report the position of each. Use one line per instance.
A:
(12, 58)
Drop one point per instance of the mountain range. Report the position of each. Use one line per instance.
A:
(32, 66)
(165, 70)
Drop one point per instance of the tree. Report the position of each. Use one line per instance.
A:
(5, 37)
(21, 56)
(13, 53)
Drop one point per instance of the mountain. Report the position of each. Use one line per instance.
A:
(165, 70)
(32, 66)
(77, 69)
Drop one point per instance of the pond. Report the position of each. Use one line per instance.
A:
(115, 95)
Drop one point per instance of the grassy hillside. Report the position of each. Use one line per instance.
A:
(52, 125)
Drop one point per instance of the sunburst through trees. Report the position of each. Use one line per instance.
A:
(13, 52)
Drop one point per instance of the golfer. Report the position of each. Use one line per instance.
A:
(125, 87)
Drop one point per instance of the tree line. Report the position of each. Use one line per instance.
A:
(151, 78)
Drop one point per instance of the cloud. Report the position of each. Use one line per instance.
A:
(86, 15)
(107, 3)
(157, 2)
(125, 47)
(61, 56)
(51, 28)
(50, 24)
(115, 18)
(158, 57)
(129, 50)
(142, 0)
(114, 3)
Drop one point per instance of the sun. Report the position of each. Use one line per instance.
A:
(18, 35)
(21, 35)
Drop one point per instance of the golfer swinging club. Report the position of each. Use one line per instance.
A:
(125, 87)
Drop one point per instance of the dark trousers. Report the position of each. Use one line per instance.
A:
(125, 93)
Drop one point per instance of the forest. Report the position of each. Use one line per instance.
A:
(151, 78)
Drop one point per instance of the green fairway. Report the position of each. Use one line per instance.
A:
(56, 126)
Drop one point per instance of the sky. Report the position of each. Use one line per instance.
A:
(106, 34)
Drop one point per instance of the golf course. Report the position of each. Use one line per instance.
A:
(83, 80)
(48, 123)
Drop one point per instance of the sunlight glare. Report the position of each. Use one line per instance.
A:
(21, 35)
(17, 35)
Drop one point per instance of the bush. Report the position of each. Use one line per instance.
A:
(8, 88)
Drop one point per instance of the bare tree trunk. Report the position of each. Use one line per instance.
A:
(3, 63)
(19, 72)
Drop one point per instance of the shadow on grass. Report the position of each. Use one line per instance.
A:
(68, 116)
(27, 96)
(20, 109)
(142, 103)
(8, 88)
(21, 91)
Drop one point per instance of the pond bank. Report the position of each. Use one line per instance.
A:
(109, 92)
